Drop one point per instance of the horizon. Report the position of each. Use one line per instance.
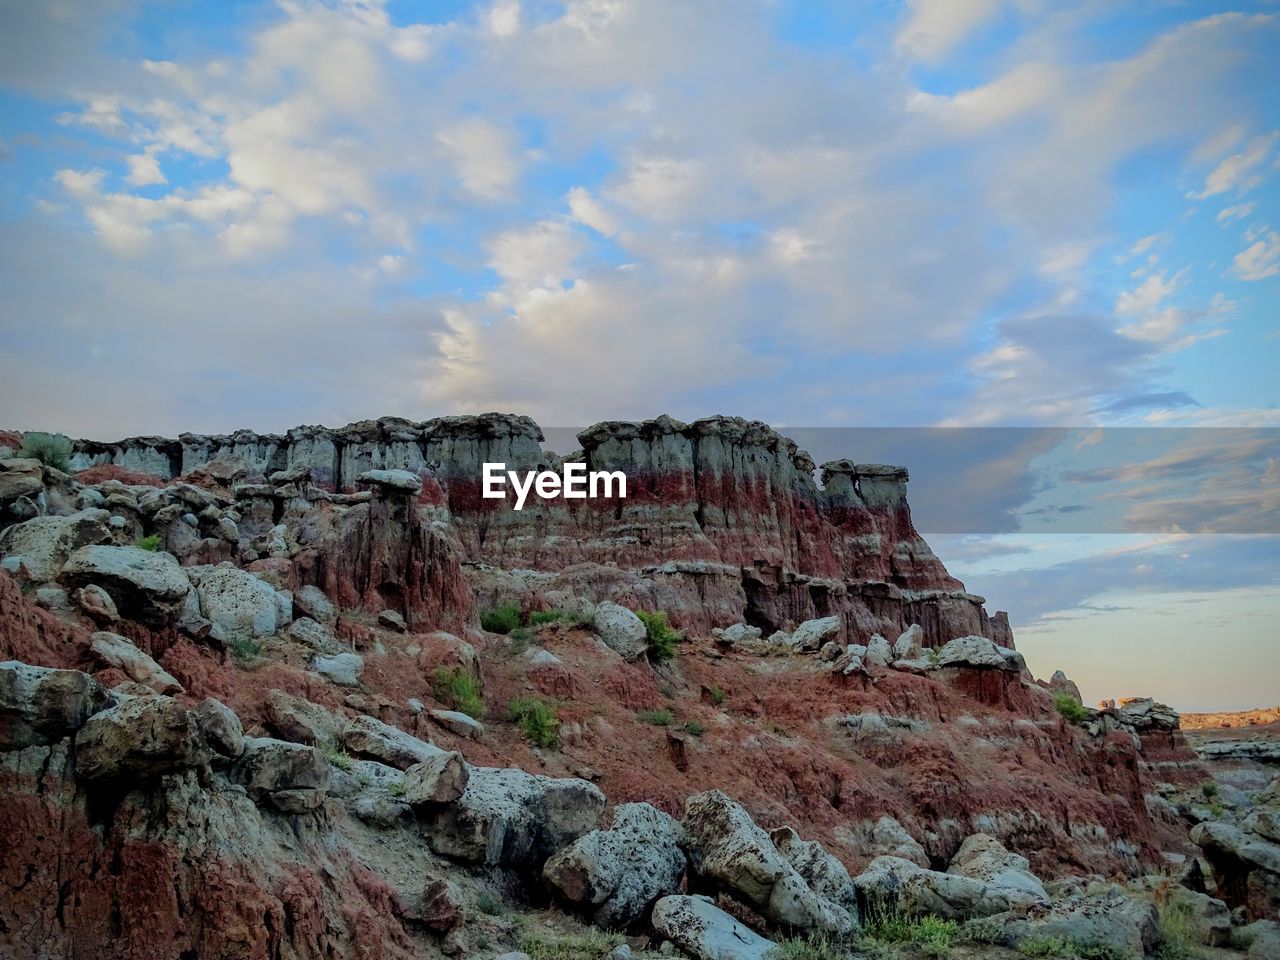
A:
(1006, 216)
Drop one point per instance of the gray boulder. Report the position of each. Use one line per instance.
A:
(310, 601)
(879, 653)
(621, 630)
(97, 604)
(1106, 921)
(812, 634)
(220, 727)
(42, 705)
(910, 643)
(894, 885)
(703, 930)
(401, 481)
(292, 776)
(825, 874)
(369, 737)
(241, 605)
(459, 723)
(985, 858)
(971, 651)
(343, 669)
(300, 721)
(120, 652)
(439, 779)
(46, 543)
(510, 818)
(141, 737)
(615, 875)
(146, 585)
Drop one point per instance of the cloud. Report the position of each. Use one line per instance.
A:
(1163, 400)
(144, 170)
(483, 157)
(1238, 171)
(1235, 212)
(1261, 259)
(936, 27)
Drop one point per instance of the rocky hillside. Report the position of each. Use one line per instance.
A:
(312, 696)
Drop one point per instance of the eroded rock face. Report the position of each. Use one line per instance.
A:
(292, 776)
(140, 738)
(45, 543)
(616, 875)
(146, 585)
(699, 927)
(241, 605)
(42, 705)
(117, 651)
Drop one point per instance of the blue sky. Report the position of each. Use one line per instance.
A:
(921, 214)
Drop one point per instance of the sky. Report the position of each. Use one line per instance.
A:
(989, 215)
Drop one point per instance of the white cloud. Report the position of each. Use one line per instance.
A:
(1237, 172)
(1025, 88)
(1261, 259)
(503, 18)
(541, 255)
(81, 184)
(144, 170)
(1236, 212)
(584, 208)
(483, 157)
(659, 187)
(1148, 295)
(935, 27)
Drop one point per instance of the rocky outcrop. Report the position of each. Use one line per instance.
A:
(702, 929)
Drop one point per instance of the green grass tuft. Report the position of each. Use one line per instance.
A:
(336, 756)
(662, 636)
(1070, 709)
(659, 718)
(592, 945)
(51, 449)
(815, 946)
(537, 718)
(151, 542)
(718, 696)
(540, 618)
(501, 619)
(460, 691)
(489, 905)
(245, 651)
(695, 728)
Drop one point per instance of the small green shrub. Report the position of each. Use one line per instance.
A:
(1070, 709)
(538, 720)
(245, 650)
(500, 619)
(460, 691)
(932, 935)
(489, 905)
(541, 618)
(981, 930)
(659, 718)
(718, 696)
(695, 728)
(151, 542)
(1047, 948)
(815, 946)
(1209, 789)
(519, 640)
(336, 756)
(51, 449)
(662, 636)
(592, 945)
(667, 690)
(1178, 932)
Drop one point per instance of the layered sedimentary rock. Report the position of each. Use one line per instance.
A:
(723, 521)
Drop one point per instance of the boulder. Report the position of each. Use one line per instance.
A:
(439, 779)
(1262, 938)
(392, 620)
(1110, 921)
(985, 858)
(458, 723)
(1060, 683)
(703, 930)
(1245, 865)
(241, 605)
(893, 885)
(310, 601)
(120, 652)
(615, 875)
(727, 848)
(1143, 713)
(292, 776)
(621, 630)
(369, 737)
(308, 631)
(440, 908)
(736, 633)
(146, 585)
(879, 653)
(42, 705)
(300, 721)
(910, 643)
(812, 634)
(46, 543)
(97, 604)
(825, 874)
(20, 477)
(343, 669)
(1207, 918)
(510, 818)
(220, 727)
(971, 652)
(143, 737)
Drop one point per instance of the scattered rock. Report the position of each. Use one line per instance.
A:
(292, 776)
(120, 652)
(737, 633)
(343, 669)
(392, 621)
(241, 605)
(971, 651)
(220, 727)
(310, 601)
(436, 780)
(45, 543)
(879, 652)
(97, 604)
(300, 721)
(1105, 921)
(42, 705)
(622, 630)
(615, 875)
(308, 631)
(146, 585)
(143, 737)
(811, 634)
(459, 723)
(369, 737)
(702, 929)
(910, 643)
(985, 858)
(441, 907)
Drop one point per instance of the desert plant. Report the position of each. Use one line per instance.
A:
(500, 619)
(1209, 789)
(1047, 948)
(982, 930)
(336, 756)
(933, 935)
(1178, 932)
(489, 905)
(555, 615)
(460, 691)
(659, 718)
(537, 718)
(718, 696)
(245, 650)
(150, 542)
(546, 945)
(51, 449)
(695, 728)
(815, 946)
(1070, 709)
(662, 636)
